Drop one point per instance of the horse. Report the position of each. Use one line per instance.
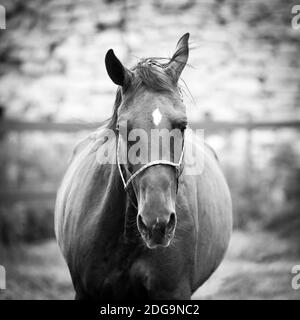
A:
(142, 231)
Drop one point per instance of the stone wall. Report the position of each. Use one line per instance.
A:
(244, 58)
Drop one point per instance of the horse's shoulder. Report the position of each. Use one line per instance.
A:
(85, 161)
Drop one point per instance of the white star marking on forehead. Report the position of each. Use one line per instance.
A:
(156, 116)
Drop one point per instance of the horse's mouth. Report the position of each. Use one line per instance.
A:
(164, 242)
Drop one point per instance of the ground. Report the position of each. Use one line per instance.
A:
(257, 266)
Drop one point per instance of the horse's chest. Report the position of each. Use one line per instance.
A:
(122, 280)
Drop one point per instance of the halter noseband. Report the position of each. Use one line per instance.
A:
(177, 166)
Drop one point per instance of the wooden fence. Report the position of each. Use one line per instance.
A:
(213, 126)
(9, 125)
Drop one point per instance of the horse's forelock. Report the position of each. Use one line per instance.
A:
(152, 75)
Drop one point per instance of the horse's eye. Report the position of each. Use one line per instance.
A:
(182, 126)
(117, 127)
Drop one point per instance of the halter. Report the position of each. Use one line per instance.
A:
(177, 166)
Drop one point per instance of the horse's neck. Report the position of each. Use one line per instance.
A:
(116, 198)
(120, 201)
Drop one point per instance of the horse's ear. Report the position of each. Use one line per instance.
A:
(116, 71)
(180, 57)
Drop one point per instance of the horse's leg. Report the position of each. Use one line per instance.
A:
(146, 286)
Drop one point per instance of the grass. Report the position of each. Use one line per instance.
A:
(257, 266)
(37, 272)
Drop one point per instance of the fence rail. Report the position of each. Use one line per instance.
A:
(9, 125)
(20, 126)
(12, 196)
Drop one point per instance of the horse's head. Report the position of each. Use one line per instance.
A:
(150, 106)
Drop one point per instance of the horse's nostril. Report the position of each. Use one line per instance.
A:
(141, 224)
(172, 221)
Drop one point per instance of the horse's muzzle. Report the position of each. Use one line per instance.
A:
(159, 232)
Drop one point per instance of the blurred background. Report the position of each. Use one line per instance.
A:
(242, 86)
